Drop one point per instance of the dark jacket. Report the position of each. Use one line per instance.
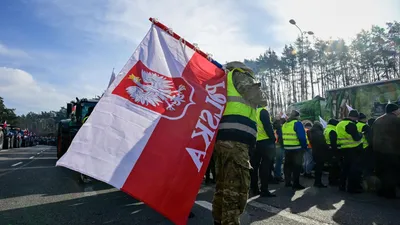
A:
(266, 121)
(386, 134)
(317, 140)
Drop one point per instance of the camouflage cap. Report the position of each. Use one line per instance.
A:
(236, 64)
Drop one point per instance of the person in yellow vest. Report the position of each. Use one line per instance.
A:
(90, 110)
(85, 179)
(262, 157)
(366, 154)
(294, 143)
(350, 141)
(334, 155)
(237, 133)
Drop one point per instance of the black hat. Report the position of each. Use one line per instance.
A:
(294, 113)
(391, 107)
(333, 122)
(353, 113)
(362, 116)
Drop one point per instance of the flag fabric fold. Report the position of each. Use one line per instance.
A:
(112, 78)
(349, 108)
(152, 133)
(323, 122)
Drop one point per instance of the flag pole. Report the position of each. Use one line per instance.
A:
(188, 44)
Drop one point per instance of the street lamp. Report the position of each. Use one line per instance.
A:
(293, 22)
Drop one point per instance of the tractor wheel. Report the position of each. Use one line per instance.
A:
(59, 147)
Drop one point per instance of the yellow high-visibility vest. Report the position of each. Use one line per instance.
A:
(261, 134)
(84, 119)
(345, 140)
(242, 116)
(327, 131)
(360, 126)
(289, 136)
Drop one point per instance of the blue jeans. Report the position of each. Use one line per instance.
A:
(280, 154)
(308, 162)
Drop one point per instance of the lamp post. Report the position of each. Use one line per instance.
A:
(293, 22)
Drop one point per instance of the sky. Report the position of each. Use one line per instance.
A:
(52, 51)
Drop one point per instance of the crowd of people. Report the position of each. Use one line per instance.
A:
(250, 147)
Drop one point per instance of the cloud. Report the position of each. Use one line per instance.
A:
(13, 53)
(217, 26)
(21, 91)
(340, 18)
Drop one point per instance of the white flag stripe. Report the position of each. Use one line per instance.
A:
(171, 66)
(118, 149)
(323, 122)
(110, 143)
(349, 107)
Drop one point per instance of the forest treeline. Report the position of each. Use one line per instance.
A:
(310, 66)
(304, 69)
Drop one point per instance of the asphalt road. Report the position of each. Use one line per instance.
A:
(34, 191)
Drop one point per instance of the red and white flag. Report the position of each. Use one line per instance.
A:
(152, 133)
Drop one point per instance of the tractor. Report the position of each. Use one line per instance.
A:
(15, 131)
(6, 138)
(68, 128)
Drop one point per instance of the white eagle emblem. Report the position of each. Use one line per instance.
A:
(155, 90)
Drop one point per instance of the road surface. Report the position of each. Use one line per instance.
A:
(34, 191)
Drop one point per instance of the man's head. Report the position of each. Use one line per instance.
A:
(236, 64)
(362, 117)
(308, 125)
(392, 108)
(333, 122)
(353, 115)
(294, 114)
(318, 125)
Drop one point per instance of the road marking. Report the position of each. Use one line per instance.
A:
(3, 150)
(271, 209)
(16, 164)
(31, 157)
(17, 168)
(88, 191)
(204, 204)
(286, 214)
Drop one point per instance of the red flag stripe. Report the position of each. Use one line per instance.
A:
(165, 164)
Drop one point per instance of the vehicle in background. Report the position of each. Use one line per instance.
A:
(8, 138)
(310, 110)
(369, 98)
(67, 128)
(28, 138)
(17, 143)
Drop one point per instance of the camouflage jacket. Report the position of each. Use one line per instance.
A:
(249, 89)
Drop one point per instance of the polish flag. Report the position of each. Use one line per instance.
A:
(152, 133)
